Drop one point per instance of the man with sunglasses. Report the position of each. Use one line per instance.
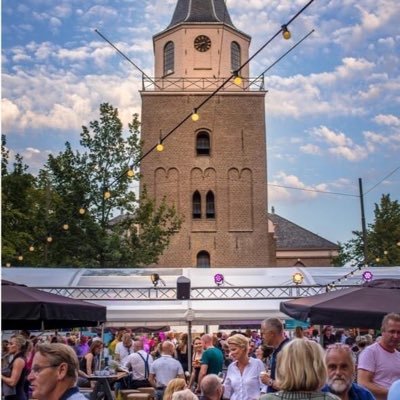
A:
(54, 372)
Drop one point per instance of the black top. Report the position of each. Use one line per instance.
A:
(274, 356)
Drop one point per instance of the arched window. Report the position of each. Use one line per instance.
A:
(210, 206)
(196, 205)
(169, 58)
(235, 56)
(203, 259)
(203, 144)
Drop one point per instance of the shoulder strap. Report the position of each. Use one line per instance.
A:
(146, 365)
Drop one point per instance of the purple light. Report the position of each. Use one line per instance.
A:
(367, 276)
(218, 279)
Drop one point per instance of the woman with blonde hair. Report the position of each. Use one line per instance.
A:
(14, 378)
(173, 386)
(301, 372)
(243, 375)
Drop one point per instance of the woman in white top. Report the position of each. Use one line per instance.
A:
(243, 376)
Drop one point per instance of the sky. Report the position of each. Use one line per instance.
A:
(332, 107)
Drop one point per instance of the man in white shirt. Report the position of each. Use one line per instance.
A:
(165, 369)
(124, 348)
(139, 364)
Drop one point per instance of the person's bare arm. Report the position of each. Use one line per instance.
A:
(202, 374)
(152, 380)
(365, 378)
(16, 372)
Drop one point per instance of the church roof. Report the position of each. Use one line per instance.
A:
(292, 236)
(198, 11)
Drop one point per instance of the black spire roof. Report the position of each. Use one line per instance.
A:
(197, 11)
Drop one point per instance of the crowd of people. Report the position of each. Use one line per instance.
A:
(269, 364)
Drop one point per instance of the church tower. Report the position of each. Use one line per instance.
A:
(214, 169)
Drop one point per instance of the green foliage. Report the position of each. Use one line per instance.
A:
(383, 237)
(74, 180)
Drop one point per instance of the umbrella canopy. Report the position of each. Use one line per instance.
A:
(363, 306)
(29, 308)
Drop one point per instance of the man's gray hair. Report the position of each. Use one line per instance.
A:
(273, 323)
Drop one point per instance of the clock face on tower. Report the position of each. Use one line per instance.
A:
(202, 43)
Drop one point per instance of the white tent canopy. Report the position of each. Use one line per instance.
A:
(179, 312)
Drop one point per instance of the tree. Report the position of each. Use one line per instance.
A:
(19, 200)
(383, 237)
(89, 187)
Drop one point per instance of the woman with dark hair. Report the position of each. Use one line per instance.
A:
(14, 379)
(181, 351)
(327, 336)
(196, 357)
(90, 362)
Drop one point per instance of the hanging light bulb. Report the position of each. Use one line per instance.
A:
(82, 211)
(107, 194)
(49, 239)
(20, 257)
(8, 265)
(237, 79)
(32, 248)
(65, 227)
(286, 33)
(195, 116)
(160, 147)
(130, 173)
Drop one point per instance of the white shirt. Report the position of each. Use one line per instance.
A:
(138, 365)
(166, 368)
(248, 385)
(123, 352)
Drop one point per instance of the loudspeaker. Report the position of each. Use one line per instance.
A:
(183, 288)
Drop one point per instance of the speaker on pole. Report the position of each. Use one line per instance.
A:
(183, 288)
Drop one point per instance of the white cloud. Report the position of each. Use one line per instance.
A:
(387, 119)
(331, 137)
(310, 149)
(9, 114)
(283, 187)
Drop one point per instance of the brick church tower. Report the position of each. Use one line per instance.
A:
(214, 169)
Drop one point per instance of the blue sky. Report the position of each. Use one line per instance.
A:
(332, 107)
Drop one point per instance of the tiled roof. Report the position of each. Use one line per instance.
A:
(197, 11)
(292, 236)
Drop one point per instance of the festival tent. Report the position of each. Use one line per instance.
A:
(29, 308)
(363, 306)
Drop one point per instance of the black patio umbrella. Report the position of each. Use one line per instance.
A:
(362, 306)
(25, 307)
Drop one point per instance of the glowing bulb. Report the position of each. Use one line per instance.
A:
(286, 33)
(160, 147)
(377, 259)
(65, 227)
(385, 252)
(107, 194)
(195, 116)
(31, 248)
(20, 258)
(131, 173)
(238, 80)
(82, 211)
(49, 239)
(8, 265)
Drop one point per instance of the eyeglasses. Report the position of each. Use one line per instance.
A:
(36, 369)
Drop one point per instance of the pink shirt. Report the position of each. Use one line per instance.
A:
(384, 364)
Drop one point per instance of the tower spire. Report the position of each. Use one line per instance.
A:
(198, 11)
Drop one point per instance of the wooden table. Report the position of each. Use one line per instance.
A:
(103, 385)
